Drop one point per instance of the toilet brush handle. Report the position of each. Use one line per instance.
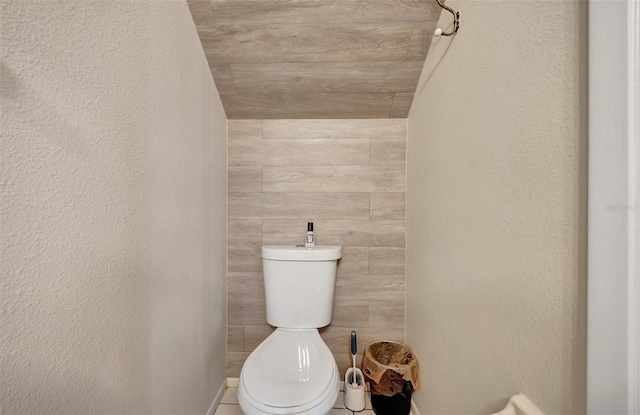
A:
(354, 343)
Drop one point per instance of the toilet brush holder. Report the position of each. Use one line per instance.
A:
(354, 391)
(354, 381)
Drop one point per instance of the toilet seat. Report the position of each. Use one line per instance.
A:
(292, 371)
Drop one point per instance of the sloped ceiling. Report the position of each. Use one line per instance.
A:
(315, 58)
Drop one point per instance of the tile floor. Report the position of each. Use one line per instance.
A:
(229, 405)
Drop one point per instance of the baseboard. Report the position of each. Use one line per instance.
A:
(233, 382)
(414, 408)
(217, 399)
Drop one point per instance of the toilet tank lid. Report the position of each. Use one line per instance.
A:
(300, 253)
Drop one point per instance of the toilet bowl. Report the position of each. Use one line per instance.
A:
(293, 371)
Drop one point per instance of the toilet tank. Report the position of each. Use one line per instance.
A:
(299, 284)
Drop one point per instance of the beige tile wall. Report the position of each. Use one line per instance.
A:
(349, 178)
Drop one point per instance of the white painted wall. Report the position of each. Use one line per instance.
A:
(113, 200)
(496, 228)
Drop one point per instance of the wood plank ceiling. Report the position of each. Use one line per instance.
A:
(315, 58)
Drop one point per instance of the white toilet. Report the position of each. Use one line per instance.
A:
(293, 370)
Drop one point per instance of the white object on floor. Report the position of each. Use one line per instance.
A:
(519, 405)
(354, 393)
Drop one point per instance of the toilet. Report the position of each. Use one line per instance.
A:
(293, 371)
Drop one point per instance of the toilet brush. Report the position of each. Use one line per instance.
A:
(354, 396)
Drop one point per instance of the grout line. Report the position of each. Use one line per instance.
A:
(392, 102)
(233, 80)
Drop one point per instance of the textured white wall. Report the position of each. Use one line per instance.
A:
(113, 210)
(496, 211)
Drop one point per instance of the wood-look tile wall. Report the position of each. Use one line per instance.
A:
(346, 176)
(315, 58)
